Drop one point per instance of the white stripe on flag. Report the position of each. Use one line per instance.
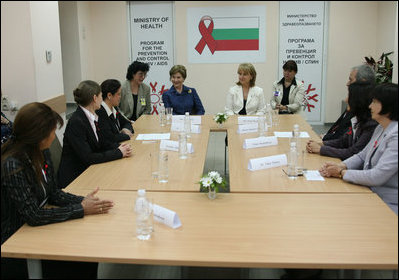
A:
(234, 22)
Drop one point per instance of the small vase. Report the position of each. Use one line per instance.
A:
(211, 194)
(220, 125)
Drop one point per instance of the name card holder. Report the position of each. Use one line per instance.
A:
(179, 127)
(180, 118)
(267, 162)
(171, 145)
(247, 128)
(288, 134)
(166, 216)
(153, 136)
(260, 142)
(247, 120)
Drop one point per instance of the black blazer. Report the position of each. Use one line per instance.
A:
(110, 127)
(347, 145)
(81, 149)
(340, 127)
(23, 196)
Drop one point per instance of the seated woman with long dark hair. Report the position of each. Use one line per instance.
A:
(28, 182)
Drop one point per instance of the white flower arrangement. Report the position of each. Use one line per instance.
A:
(212, 182)
(221, 117)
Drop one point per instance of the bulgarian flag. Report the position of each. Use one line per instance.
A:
(229, 34)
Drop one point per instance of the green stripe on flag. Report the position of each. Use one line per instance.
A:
(236, 34)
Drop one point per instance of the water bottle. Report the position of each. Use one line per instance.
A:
(187, 124)
(143, 210)
(182, 145)
(261, 126)
(301, 152)
(162, 115)
(163, 171)
(269, 116)
(292, 160)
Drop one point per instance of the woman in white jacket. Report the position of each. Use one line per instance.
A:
(288, 93)
(245, 98)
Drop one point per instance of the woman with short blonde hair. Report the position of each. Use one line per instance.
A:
(245, 98)
(247, 68)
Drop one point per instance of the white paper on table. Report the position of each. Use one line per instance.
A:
(247, 120)
(171, 145)
(179, 127)
(180, 118)
(166, 216)
(288, 134)
(267, 162)
(260, 142)
(153, 136)
(313, 175)
(247, 128)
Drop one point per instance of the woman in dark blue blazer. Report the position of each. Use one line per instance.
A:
(83, 142)
(114, 126)
(181, 98)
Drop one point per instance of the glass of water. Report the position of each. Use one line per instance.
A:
(169, 113)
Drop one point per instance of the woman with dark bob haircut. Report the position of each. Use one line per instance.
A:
(376, 166)
(288, 93)
(113, 125)
(135, 95)
(360, 131)
(28, 181)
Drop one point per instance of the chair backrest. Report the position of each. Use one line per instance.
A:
(56, 150)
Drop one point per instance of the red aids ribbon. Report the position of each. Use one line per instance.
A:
(350, 131)
(207, 38)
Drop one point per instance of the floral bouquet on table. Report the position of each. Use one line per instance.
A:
(211, 183)
(220, 118)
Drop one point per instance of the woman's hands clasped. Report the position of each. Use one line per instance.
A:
(126, 149)
(332, 169)
(93, 205)
(313, 147)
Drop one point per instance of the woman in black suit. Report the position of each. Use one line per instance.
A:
(83, 142)
(114, 127)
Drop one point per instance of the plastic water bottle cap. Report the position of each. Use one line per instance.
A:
(187, 113)
(141, 192)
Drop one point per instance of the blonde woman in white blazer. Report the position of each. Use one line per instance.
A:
(245, 98)
(288, 94)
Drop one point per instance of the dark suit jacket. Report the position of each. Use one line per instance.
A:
(22, 196)
(110, 127)
(81, 149)
(347, 145)
(339, 127)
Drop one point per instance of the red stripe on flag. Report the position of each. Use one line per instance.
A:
(237, 45)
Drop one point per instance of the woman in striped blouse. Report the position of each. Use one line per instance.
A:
(27, 176)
